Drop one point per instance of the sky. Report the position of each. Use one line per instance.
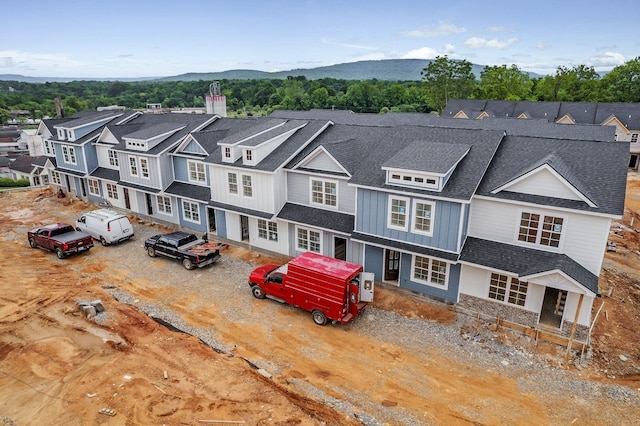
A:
(140, 38)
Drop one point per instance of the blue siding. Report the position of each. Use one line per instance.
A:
(372, 219)
(193, 147)
(374, 261)
(200, 227)
(78, 167)
(221, 223)
(450, 294)
(180, 169)
(92, 157)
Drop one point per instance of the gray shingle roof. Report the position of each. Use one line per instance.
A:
(186, 190)
(107, 174)
(599, 166)
(318, 218)
(431, 157)
(406, 247)
(524, 262)
(248, 212)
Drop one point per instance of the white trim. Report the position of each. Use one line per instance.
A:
(429, 282)
(309, 230)
(432, 218)
(407, 207)
(184, 210)
(323, 204)
(537, 244)
(315, 153)
(196, 164)
(158, 204)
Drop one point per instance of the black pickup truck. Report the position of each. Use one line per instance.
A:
(185, 247)
(61, 238)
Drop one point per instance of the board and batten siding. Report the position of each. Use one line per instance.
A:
(264, 191)
(80, 165)
(280, 246)
(102, 152)
(371, 218)
(299, 191)
(153, 181)
(544, 183)
(181, 170)
(450, 293)
(584, 237)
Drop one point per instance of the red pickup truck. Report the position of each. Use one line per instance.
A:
(61, 238)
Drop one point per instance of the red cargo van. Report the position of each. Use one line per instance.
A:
(328, 288)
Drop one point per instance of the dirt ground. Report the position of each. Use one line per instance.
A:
(58, 367)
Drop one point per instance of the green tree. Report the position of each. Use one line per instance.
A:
(447, 79)
(500, 82)
(577, 84)
(622, 84)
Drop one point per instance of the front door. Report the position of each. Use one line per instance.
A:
(149, 205)
(340, 248)
(212, 219)
(127, 203)
(244, 227)
(553, 307)
(392, 265)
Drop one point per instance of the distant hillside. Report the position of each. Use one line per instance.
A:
(389, 69)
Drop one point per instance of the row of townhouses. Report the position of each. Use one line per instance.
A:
(505, 217)
(624, 117)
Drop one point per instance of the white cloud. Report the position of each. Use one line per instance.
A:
(496, 29)
(442, 28)
(543, 46)
(479, 42)
(609, 59)
(21, 61)
(429, 52)
(348, 45)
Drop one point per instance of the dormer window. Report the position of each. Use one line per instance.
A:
(61, 134)
(634, 137)
(70, 135)
(414, 180)
(248, 155)
(227, 152)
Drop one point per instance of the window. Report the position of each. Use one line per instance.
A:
(397, 218)
(113, 158)
(164, 204)
(267, 230)
(324, 192)
(93, 187)
(308, 240)
(413, 180)
(112, 191)
(232, 178)
(422, 217)
(227, 152)
(55, 177)
(49, 148)
(247, 191)
(634, 137)
(191, 211)
(133, 166)
(538, 229)
(430, 271)
(69, 154)
(248, 155)
(144, 167)
(506, 289)
(196, 172)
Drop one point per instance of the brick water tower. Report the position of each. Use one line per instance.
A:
(216, 102)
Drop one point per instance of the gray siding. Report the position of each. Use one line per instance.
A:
(371, 218)
(200, 227)
(299, 191)
(80, 165)
(374, 261)
(181, 169)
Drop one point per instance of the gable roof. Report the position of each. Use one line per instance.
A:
(596, 168)
(435, 157)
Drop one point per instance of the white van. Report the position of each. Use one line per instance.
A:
(106, 225)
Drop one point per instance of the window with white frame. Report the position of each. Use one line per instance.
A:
(55, 177)
(144, 168)
(397, 215)
(232, 180)
(248, 155)
(308, 240)
(508, 289)
(93, 187)
(423, 217)
(540, 229)
(634, 137)
(133, 166)
(196, 172)
(227, 152)
(247, 190)
(430, 271)
(69, 154)
(112, 191)
(164, 204)
(324, 192)
(191, 211)
(113, 158)
(267, 230)
(49, 148)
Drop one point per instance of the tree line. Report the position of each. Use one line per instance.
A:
(442, 79)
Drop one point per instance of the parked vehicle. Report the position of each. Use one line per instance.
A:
(331, 289)
(185, 247)
(108, 226)
(61, 238)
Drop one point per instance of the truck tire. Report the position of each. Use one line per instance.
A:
(319, 317)
(32, 243)
(187, 263)
(257, 292)
(59, 253)
(151, 252)
(103, 241)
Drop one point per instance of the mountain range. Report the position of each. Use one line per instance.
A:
(388, 69)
